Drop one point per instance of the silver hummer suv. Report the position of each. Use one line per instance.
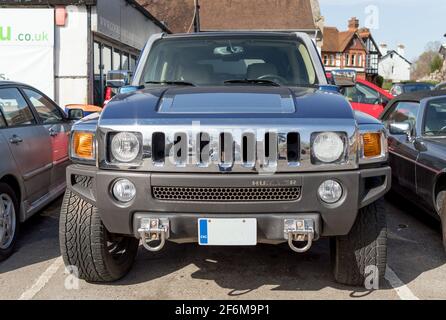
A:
(226, 139)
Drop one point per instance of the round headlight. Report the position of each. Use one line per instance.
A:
(328, 147)
(124, 190)
(330, 191)
(125, 147)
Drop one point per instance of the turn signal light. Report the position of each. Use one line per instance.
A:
(372, 144)
(83, 145)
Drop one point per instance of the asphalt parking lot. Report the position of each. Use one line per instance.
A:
(416, 268)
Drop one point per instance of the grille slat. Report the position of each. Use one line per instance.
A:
(226, 194)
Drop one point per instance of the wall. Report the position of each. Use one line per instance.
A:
(118, 20)
(395, 69)
(71, 52)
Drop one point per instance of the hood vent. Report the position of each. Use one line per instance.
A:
(224, 101)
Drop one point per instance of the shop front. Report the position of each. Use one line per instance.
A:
(65, 48)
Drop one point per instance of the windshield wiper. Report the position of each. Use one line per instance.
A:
(253, 81)
(174, 83)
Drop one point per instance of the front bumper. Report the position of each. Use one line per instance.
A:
(361, 187)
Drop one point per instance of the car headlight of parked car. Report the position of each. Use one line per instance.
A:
(328, 147)
(125, 147)
(83, 146)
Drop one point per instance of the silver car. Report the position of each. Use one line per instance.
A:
(34, 134)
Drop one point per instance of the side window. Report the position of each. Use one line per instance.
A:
(435, 118)
(48, 111)
(403, 112)
(362, 94)
(14, 108)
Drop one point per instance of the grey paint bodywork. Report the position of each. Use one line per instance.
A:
(29, 163)
(315, 110)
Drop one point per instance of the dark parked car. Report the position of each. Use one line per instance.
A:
(441, 86)
(34, 135)
(409, 87)
(417, 147)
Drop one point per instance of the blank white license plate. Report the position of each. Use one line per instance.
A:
(227, 232)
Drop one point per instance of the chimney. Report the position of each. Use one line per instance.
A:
(383, 49)
(401, 50)
(353, 24)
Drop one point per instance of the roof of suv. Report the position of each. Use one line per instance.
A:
(230, 34)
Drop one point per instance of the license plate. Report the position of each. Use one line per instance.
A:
(227, 232)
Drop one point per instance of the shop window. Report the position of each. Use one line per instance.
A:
(133, 63)
(116, 59)
(125, 61)
(97, 58)
(107, 59)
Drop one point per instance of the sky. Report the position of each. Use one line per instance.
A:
(413, 23)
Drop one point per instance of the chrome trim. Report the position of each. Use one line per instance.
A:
(384, 145)
(213, 160)
(85, 129)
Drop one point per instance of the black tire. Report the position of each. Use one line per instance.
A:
(85, 243)
(5, 253)
(365, 245)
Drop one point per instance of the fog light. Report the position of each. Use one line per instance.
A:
(124, 190)
(330, 191)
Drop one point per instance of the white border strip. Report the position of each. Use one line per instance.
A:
(42, 280)
(401, 289)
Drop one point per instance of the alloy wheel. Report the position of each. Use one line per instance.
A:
(7, 221)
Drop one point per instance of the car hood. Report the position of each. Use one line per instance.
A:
(440, 142)
(364, 118)
(225, 102)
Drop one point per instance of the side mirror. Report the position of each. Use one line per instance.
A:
(383, 101)
(344, 78)
(75, 114)
(118, 78)
(401, 128)
(128, 89)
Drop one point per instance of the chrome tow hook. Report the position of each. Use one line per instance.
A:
(154, 230)
(299, 230)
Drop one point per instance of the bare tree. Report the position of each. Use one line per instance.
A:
(422, 67)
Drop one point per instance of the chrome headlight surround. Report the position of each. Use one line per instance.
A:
(132, 141)
(338, 140)
(72, 154)
(383, 156)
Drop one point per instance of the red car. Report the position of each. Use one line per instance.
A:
(367, 97)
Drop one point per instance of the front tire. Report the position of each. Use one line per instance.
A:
(9, 222)
(86, 245)
(364, 246)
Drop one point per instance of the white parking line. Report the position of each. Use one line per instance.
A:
(401, 289)
(42, 280)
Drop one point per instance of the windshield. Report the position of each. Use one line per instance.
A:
(417, 87)
(229, 61)
(435, 122)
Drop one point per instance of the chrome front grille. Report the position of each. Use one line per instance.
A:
(226, 150)
(225, 194)
(231, 146)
